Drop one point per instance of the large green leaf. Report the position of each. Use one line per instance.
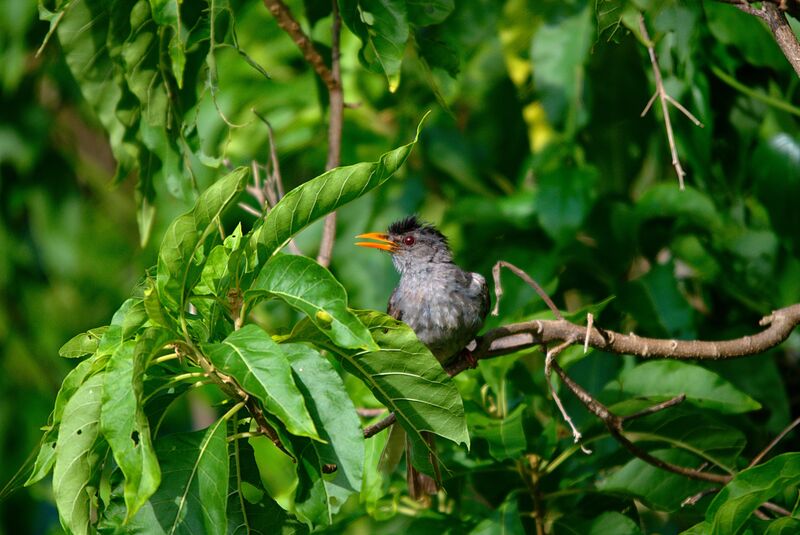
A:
(123, 421)
(323, 195)
(702, 387)
(319, 496)
(193, 495)
(505, 436)
(660, 490)
(78, 452)
(505, 519)
(403, 375)
(686, 428)
(311, 288)
(382, 26)
(180, 257)
(251, 511)
(559, 51)
(737, 500)
(82, 344)
(258, 364)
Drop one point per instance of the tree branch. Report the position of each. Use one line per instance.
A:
(773, 13)
(783, 34)
(289, 24)
(335, 123)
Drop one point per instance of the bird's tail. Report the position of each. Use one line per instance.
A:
(420, 485)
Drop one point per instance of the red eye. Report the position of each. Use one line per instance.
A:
(409, 240)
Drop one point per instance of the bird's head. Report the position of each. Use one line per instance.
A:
(412, 244)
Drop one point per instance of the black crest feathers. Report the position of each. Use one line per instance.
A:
(411, 224)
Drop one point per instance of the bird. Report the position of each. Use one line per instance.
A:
(443, 304)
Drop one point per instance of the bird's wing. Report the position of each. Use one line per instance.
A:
(484, 289)
(392, 309)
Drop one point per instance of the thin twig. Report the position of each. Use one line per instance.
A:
(335, 124)
(498, 288)
(655, 408)
(774, 442)
(692, 500)
(661, 93)
(374, 429)
(548, 364)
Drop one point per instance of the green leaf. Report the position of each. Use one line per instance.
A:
(506, 436)
(559, 51)
(382, 26)
(777, 181)
(504, 520)
(124, 423)
(686, 428)
(564, 200)
(324, 194)
(259, 365)
(46, 458)
(319, 495)
(688, 206)
(78, 452)
(403, 375)
(427, 12)
(168, 13)
(783, 526)
(251, 511)
(737, 500)
(181, 256)
(82, 344)
(613, 522)
(193, 495)
(660, 490)
(310, 288)
(702, 387)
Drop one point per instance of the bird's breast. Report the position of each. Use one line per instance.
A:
(444, 315)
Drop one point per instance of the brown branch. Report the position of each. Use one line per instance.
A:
(773, 13)
(336, 110)
(289, 24)
(783, 34)
(665, 99)
(614, 425)
(655, 408)
(374, 429)
(518, 336)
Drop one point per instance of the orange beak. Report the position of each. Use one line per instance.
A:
(385, 243)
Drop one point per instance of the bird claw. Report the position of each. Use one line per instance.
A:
(472, 362)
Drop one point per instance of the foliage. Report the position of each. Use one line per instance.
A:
(534, 153)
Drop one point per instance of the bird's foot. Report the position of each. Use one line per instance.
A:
(472, 361)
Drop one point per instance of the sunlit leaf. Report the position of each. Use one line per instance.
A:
(78, 452)
(737, 500)
(403, 375)
(179, 266)
(382, 26)
(259, 365)
(311, 288)
(702, 387)
(320, 495)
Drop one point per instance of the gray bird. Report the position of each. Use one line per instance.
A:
(442, 303)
